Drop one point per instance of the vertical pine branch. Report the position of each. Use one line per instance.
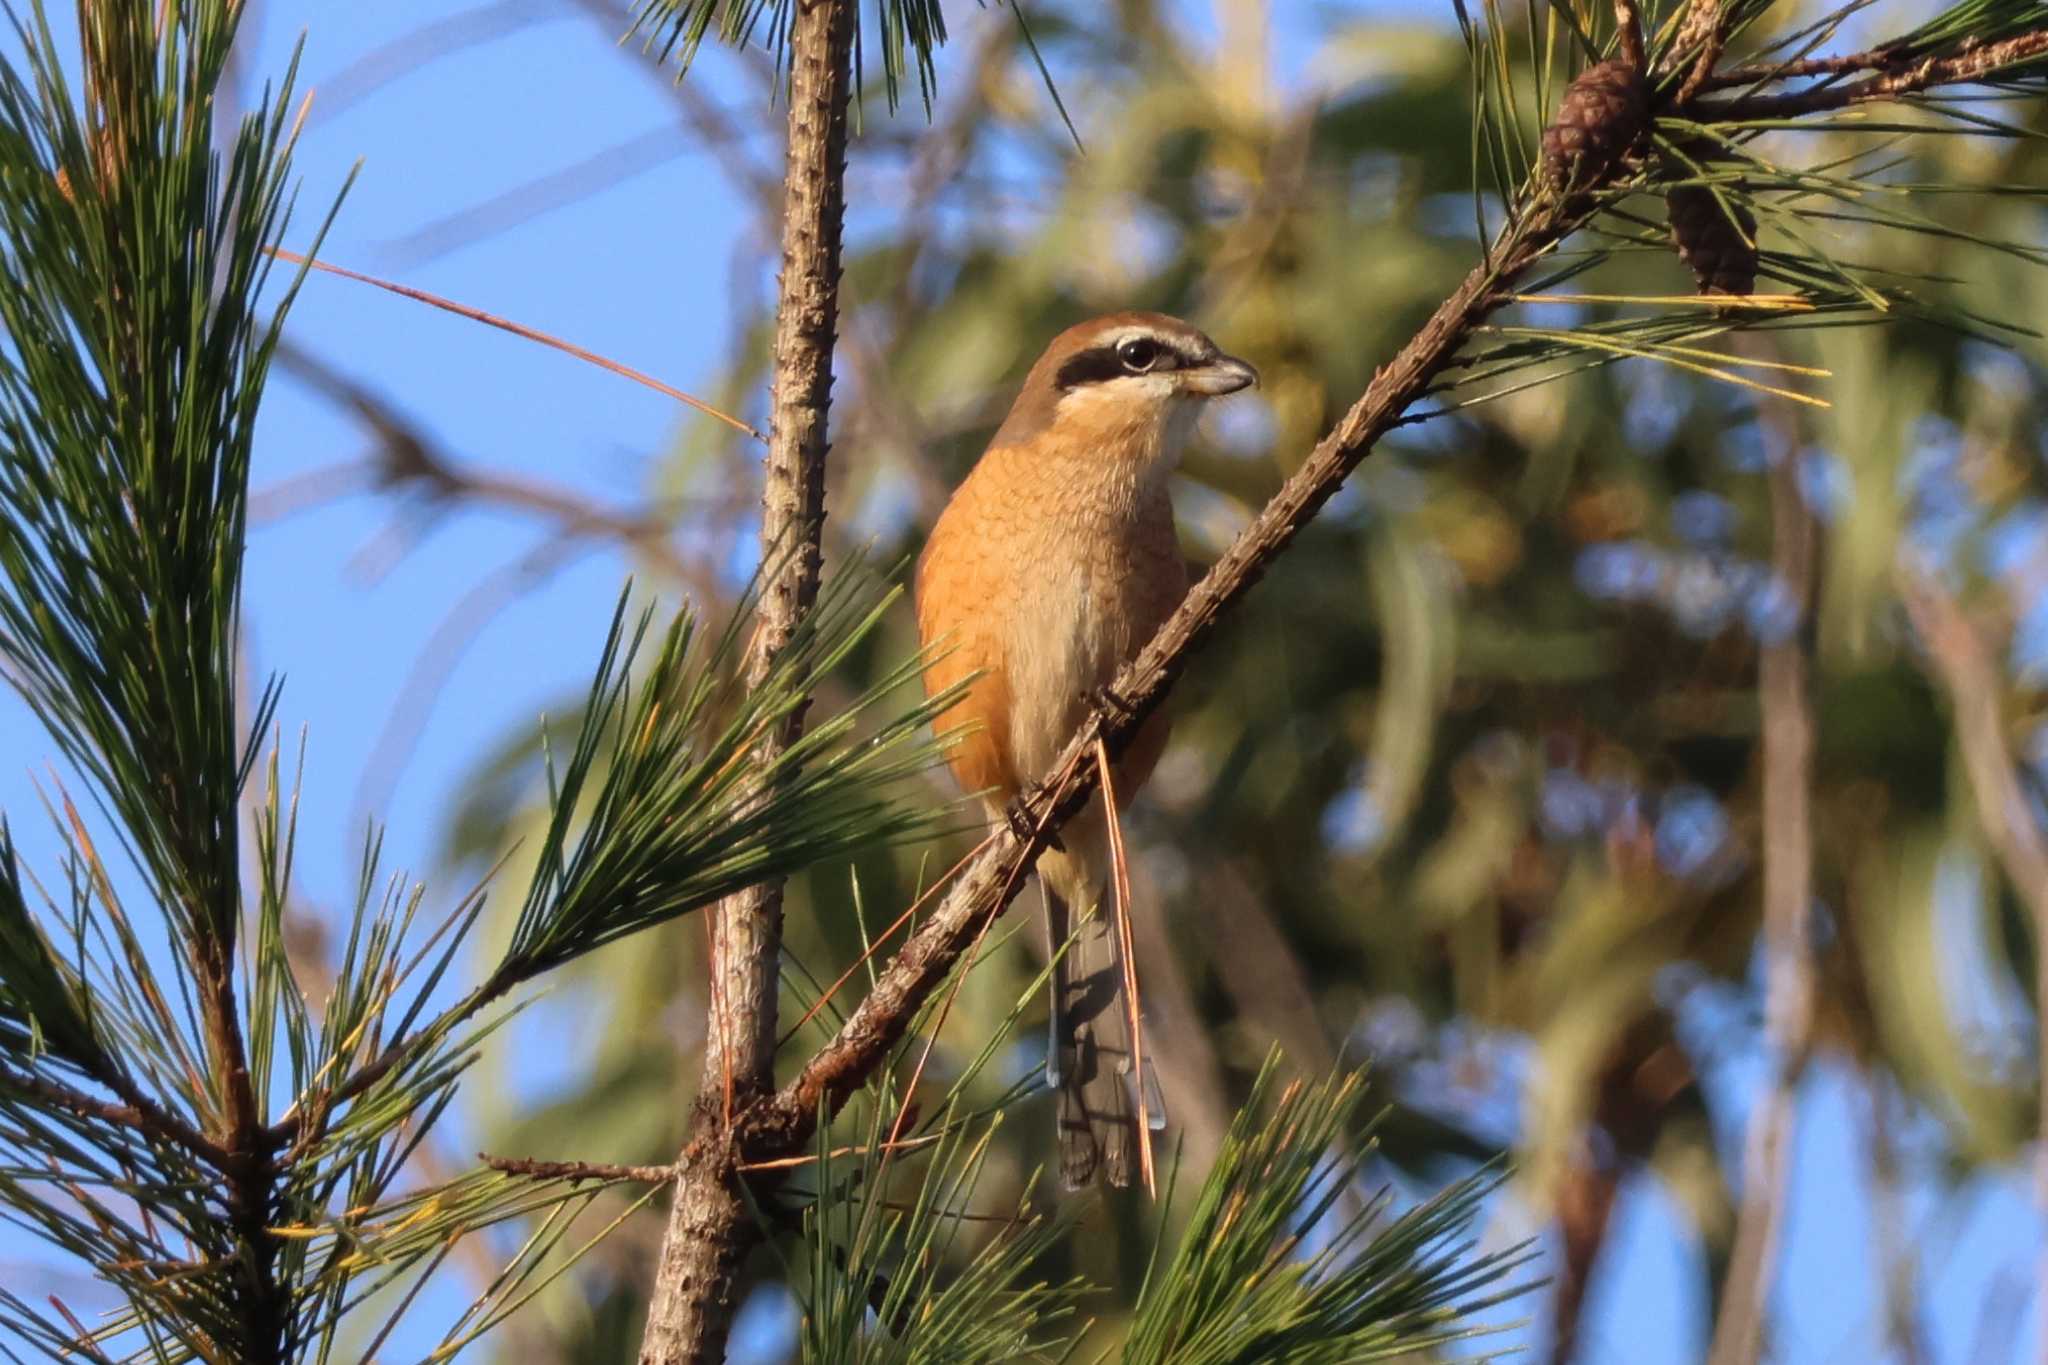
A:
(1785, 694)
(125, 542)
(710, 1230)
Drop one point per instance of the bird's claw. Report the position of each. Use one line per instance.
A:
(1021, 824)
(1107, 700)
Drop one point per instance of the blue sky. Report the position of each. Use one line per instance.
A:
(638, 273)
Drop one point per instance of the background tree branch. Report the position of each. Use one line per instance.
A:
(1785, 694)
(1971, 679)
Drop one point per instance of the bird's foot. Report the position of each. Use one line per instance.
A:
(1109, 701)
(1019, 819)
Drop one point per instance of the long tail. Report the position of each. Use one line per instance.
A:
(1088, 1063)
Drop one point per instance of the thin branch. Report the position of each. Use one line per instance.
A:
(408, 455)
(1975, 62)
(1704, 32)
(1889, 60)
(452, 638)
(1628, 23)
(1785, 693)
(605, 169)
(576, 1170)
(410, 51)
(710, 1222)
(135, 1111)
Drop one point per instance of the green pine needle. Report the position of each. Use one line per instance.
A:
(674, 798)
(911, 33)
(908, 1271)
(1285, 1259)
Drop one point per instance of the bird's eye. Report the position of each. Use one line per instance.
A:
(1139, 354)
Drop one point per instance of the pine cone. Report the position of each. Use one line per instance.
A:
(1601, 116)
(1716, 240)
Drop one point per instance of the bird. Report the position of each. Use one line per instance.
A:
(1050, 567)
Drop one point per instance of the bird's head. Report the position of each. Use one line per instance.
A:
(1131, 382)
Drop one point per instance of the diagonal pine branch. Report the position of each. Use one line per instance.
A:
(1977, 62)
(987, 885)
(780, 1127)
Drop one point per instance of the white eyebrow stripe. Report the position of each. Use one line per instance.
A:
(1182, 347)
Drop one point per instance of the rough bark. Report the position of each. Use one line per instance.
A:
(710, 1230)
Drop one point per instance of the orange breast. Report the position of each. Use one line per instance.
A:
(962, 578)
(1043, 575)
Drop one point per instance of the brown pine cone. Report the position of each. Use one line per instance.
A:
(1716, 239)
(1600, 117)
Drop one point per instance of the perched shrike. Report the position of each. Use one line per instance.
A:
(1050, 568)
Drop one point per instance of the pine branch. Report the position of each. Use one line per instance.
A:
(535, 1169)
(131, 254)
(1286, 1256)
(710, 1225)
(135, 1110)
(879, 1288)
(1977, 61)
(408, 458)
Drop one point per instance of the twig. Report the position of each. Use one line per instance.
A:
(1628, 23)
(457, 631)
(1258, 968)
(710, 1226)
(1705, 32)
(604, 169)
(903, 1115)
(520, 329)
(1788, 728)
(135, 1111)
(1974, 63)
(429, 42)
(1584, 1207)
(407, 454)
(576, 1170)
(890, 1146)
(1890, 59)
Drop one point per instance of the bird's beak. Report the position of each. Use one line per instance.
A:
(1224, 374)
